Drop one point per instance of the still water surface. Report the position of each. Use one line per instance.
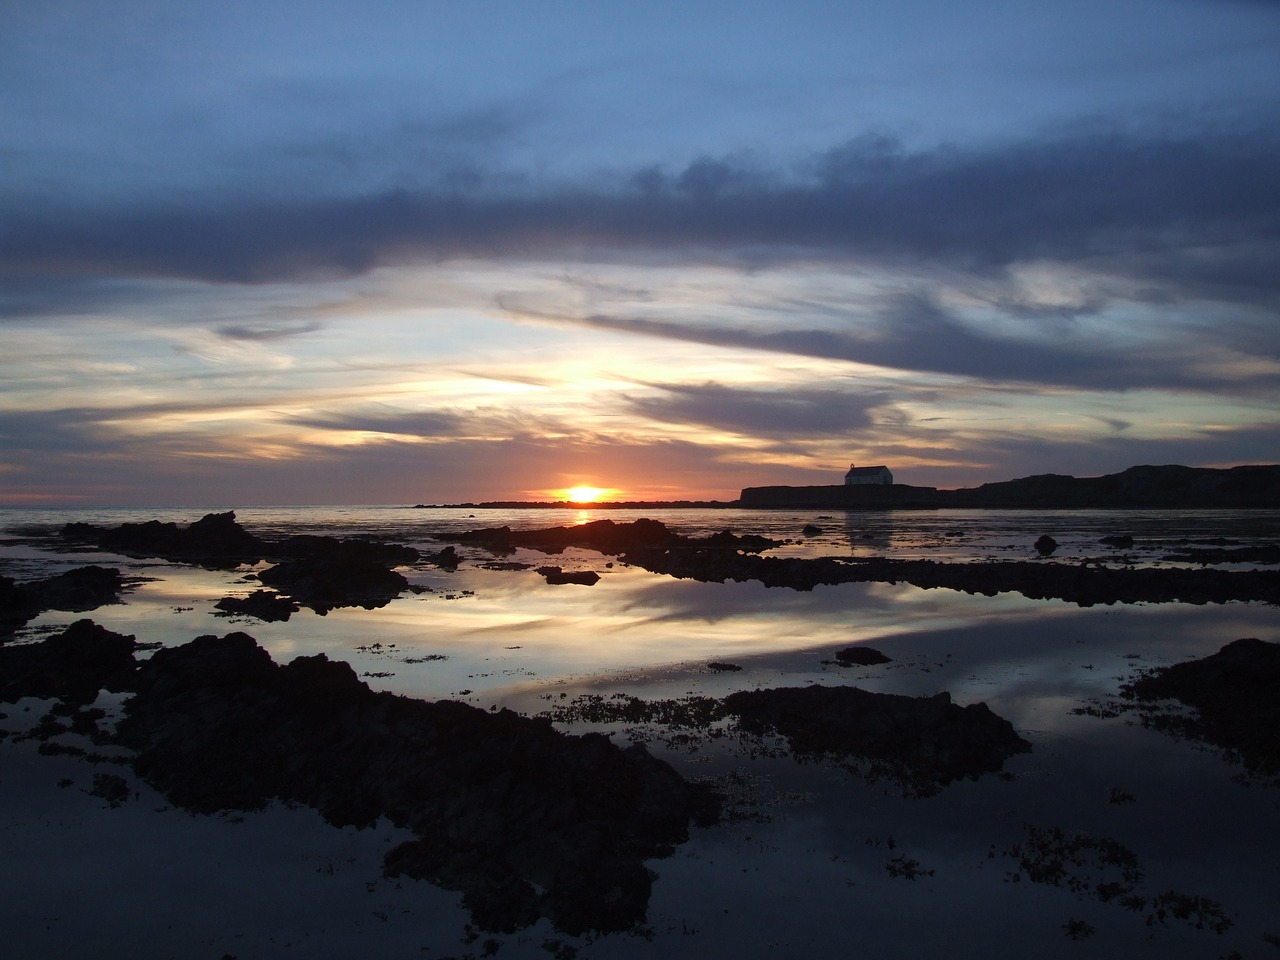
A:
(807, 872)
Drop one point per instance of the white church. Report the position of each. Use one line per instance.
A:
(859, 476)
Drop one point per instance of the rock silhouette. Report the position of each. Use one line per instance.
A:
(525, 821)
(1235, 694)
(78, 590)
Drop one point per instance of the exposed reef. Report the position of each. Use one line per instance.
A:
(1234, 696)
(726, 556)
(608, 537)
(318, 572)
(215, 540)
(556, 576)
(71, 666)
(79, 590)
(921, 743)
(525, 821)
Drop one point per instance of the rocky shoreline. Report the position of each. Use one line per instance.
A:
(526, 821)
(530, 823)
(727, 556)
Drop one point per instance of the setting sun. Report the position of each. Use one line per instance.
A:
(584, 494)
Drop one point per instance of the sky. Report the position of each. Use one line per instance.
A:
(273, 251)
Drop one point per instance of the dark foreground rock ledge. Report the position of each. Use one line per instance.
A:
(525, 821)
(78, 590)
(922, 742)
(1235, 699)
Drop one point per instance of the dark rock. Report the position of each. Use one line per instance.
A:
(73, 665)
(78, 590)
(261, 604)
(1045, 545)
(1265, 553)
(216, 540)
(1077, 583)
(609, 537)
(1235, 694)
(720, 667)
(861, 656)
(811, 530)
(1120, 542)
(556, 576)
(446, 559)
(336, 551)
(323, 583)
(525, 821)
(924, 742)
(110, 787)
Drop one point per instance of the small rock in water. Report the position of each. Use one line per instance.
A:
(860, 656)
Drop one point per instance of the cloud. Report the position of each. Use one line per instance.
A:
(1194, 215)
(783, 414)
(267, 334)
(431, 424)
(913, 333)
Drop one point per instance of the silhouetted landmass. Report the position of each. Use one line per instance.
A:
(897, 496)
(525, 821)
(1143, 487)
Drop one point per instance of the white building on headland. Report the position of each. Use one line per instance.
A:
(857, 476)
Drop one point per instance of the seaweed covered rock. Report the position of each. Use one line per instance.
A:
(72, 665)
(1235, 695)
(860, 655)
(77, 590)
(557, 576)
(215, 540)
(609, 537)
(328, 581)
(264, 605)
(924, 742)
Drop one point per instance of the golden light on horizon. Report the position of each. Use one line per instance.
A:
(584, 494)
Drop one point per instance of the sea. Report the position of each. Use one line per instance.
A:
(816, 860)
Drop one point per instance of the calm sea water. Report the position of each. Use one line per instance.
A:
(805, 874)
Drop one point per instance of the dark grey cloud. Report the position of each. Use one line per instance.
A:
(913, 333)
(267, 333)
(68, 430)
(423, 425)
(797, 413)
(1193, 215)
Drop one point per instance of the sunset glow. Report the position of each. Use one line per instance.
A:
(534, 260)
(584, 494)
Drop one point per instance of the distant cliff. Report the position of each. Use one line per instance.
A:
(1145, 487)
